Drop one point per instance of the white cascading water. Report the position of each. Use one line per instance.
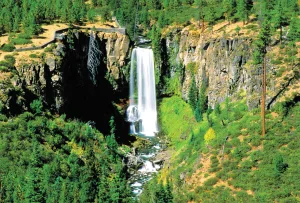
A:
(142, 111)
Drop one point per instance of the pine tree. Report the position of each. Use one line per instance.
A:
(279, 18)
(7, 19)
(198, 112)
(88, 177)
(166, 3)
(294, 30)
(218, 109)
(17, 18)
(169, 194)
(229, 9)
(201, 7)
(160, 194)
(192, 96)
(260, 58)
(33, 188)
(243, 9)
(209, 119)
(210, 13)
(103, 185)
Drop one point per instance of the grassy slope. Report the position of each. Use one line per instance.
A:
(250, 170)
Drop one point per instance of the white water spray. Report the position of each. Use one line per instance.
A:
(142, 111)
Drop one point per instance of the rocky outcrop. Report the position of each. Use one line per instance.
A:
(224, 65)
(117, 49)
(46, 78)
(61, 79)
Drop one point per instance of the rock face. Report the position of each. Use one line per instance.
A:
(61, 80)
(224, 65)
(47, 79)
(117, 49)
(220, 63)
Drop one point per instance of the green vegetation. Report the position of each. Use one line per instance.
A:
(47, 158)
(33, 56)
(167, 12)
(157, 192)
(176, 117)
(255, 168)
(193, 94)
(27, 16)
(8, 47)
(8, 64)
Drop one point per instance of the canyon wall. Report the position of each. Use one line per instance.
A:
(225, 65)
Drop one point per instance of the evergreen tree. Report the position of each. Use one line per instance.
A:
(243, 9)
(103, 185)
(169, 193)
(156, 4)
(210, 13)
(209, 119)
(53, 195)
(280, 166)
(218, 109)
(294, 30)
(17, 18)
(198, 112)
(229, 9)
(33, 187)
(201, 7)
(260, 58)
(279, 18)
(193, 94)
(166, 3)
(160, 194)
(7, 19)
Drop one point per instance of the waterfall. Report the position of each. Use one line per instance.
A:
(94, 54)
(142, 95)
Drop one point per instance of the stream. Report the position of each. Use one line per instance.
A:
(148, 168)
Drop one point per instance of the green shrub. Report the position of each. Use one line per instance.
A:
(20, 41)
(235, 141)
(251, 27)
(36, 106)
(3, 118)
(48, 49)
(282, 46)
(5, 64)
(10, 59)
(246, 165)
(3, 68)
(192, 67)
(255, 140)
(8, 47)
(279, 72)
(33, 56)
(211, 181)
(213, 169)
(276, 61)
(25, 35)
(280, 166)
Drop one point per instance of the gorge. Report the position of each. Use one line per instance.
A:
(80, 121)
